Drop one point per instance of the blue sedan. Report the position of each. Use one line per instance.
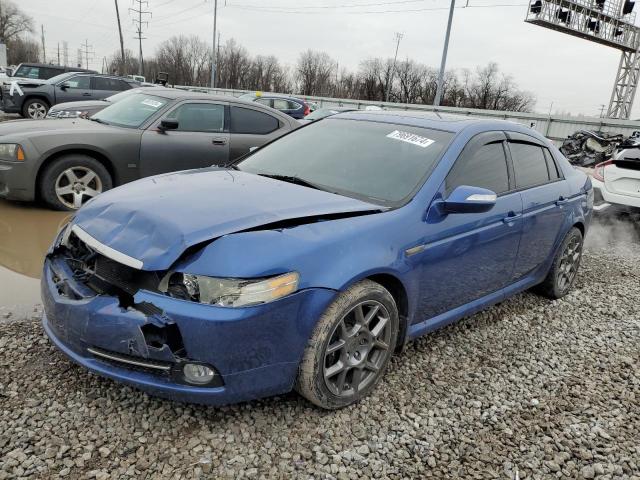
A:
(307, 272)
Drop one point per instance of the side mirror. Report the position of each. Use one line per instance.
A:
(64, 86)
(167, 124)
(465, 199)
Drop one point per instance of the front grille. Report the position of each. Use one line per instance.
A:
(104, 275)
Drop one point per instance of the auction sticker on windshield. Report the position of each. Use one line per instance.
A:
(411, 138)
(152, 103)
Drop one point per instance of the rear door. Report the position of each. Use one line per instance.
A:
(74, 89)
(201, 139)
(473, 254)
(544, 201)
(252, 127)
(104, 87)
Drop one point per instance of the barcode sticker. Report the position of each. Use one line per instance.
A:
(411, 138)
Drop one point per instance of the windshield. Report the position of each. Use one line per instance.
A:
(132, 111)
(120, 96)
(59, 78)
(381, 163)
(26, 71)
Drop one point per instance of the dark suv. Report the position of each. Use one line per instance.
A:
(42, 71)
(33, 100)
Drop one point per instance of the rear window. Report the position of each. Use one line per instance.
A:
(529, 164)
(381, 163)
(246, 120)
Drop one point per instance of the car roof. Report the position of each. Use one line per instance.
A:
(435, 120)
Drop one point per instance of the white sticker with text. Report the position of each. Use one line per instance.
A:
(411, 138)
(152, 103)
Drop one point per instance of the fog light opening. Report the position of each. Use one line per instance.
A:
(198, 374)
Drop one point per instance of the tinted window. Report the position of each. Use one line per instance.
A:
(113, 84)
(379, 162)
(529, 164)
(484, 167)
(551, 165)
(48, 72)
(78, 82)
(199, 117)
(245, 120)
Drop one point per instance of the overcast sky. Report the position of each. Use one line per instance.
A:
(574, 74)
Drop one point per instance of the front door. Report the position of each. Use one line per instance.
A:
(74, 89)
(201, 140)
(473, 254)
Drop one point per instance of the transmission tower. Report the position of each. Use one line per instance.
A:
(139, 22)
(607, 22)
(87, 50)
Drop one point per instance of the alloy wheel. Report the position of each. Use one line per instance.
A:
(568, 266)
(76, 185)
(358, 348)
(37, 110)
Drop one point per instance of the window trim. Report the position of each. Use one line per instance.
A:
(225, 124)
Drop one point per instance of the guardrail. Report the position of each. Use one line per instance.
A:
(554, 127)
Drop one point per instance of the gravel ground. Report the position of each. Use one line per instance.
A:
(529, 388)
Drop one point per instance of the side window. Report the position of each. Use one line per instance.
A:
(47, 73)
(198, 117)
(111, 84)
(82, 82)
(551, 165)
(294, 105)
(264, 101)
(484, 167)
(281, 104)
(529, 164)
(246, 120)
(32, 72)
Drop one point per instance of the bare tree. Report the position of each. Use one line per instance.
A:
(22, 50)
(13, 21)
(315, 72)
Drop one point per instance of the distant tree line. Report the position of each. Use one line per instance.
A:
(15, 27)
(187, 60)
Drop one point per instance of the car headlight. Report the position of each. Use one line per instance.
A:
(12, 152)
(231, 292)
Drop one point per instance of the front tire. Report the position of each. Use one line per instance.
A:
(71, 181)
(350, 347)
(35, 109)
(564, 269)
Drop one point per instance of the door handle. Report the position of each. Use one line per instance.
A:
(219, 141)
(512, 217)
(561, 201)
(86, 94)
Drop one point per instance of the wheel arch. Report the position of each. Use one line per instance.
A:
(52, 157)
(34, 96)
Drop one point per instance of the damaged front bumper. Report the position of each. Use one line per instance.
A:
(254, 351)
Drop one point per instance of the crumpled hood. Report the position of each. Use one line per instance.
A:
(156, 219)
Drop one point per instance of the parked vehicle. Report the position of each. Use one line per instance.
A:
(309, 271)
(292, 106)
(321, 113)
(89, 107)
(66, 162)
(42, 71)
(34, 100)
(617, 181)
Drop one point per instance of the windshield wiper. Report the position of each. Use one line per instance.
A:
(293, 179)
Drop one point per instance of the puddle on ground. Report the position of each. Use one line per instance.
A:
(26, 232)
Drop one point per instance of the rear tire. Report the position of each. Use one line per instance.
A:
(350, 347)
(71, 181)
(35, 109)
(564, 269)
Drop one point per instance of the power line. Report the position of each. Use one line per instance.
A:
(361, 12)
(332, 7)
(139, 22)
(85, 46)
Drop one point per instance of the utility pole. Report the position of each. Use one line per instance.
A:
(602, 107)
(443, 63)
(139, 23)
(86, 48)
(65, 53)
(122, 59)
(44, 52)
(213, 49)
(58, 53)
(393, 69)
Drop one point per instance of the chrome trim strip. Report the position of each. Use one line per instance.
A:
(129, 361)
(106, 250)
(414, 250)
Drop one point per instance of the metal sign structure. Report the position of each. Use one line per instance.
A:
(607, 22)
